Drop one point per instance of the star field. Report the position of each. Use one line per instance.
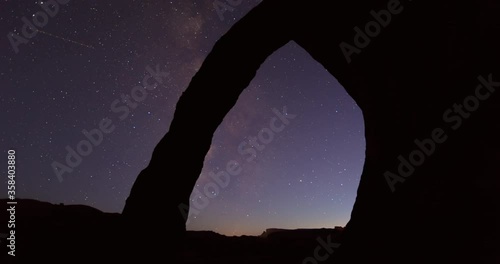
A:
(66, 78)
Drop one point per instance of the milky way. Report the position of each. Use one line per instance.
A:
(300, 171)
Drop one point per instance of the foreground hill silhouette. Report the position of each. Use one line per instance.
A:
(81, 234)
(49, 232)
(425, 75)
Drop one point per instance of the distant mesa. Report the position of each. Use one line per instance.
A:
(276, 232)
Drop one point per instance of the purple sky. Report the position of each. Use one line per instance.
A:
(66, 77)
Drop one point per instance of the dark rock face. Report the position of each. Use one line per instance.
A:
(426, 81)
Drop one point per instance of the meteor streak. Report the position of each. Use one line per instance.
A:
(65, 39)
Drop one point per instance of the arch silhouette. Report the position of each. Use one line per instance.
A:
(424, 76)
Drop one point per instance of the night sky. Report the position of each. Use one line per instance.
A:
(67, 76)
